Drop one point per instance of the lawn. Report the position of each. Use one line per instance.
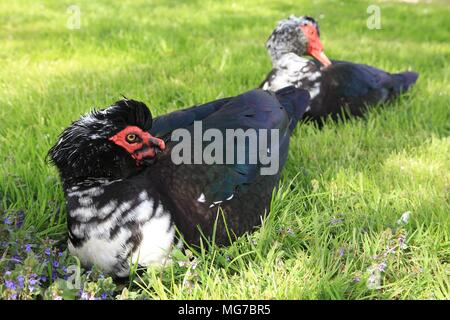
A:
(363, 206)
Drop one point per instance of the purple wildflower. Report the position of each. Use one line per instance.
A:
(32, 282)
(43, 279)
(382, 266)
(56, 264)
(47, 251)
(7, 221)
(84, 295)
(21, 280)
(341, 252)
(20, 219)
(104, 296)
(402, 242)
(27, 247)
(16, 259)
(9, 284)
(13, 296)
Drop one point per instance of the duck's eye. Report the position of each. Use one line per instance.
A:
(131, 137)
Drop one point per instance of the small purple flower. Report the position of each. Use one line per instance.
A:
(47, 251)
(20, 219)
(21, 281)
(16, 259)
(32, 282)
(28, 247)
(60, 254)
(64, 269)
(9, 284)
(7, 221)
(7, 273)
(341, 252)
(13, 296)
(104, 296)
(84, 295)
(55, 264)
(402, 242)
(382, 266)
(43, 279)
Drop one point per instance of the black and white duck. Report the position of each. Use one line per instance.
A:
(126, 197)
(333, 85)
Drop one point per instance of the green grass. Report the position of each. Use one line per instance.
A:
(344, 187)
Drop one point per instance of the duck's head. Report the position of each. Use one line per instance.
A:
(111, 143)
(298, 35)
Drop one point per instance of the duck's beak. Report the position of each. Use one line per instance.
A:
(321, 57)
(150, 147)
(315, 47)
(158, 144)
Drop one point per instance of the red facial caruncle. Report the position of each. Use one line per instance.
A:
(315, 47)
(138, 143)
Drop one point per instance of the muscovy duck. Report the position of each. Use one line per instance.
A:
(125, 196)
(334, 85)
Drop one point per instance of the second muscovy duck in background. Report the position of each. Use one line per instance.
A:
(333, 85)
(125, 195)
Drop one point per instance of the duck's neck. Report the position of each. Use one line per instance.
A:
(285, 58)
(289, 61)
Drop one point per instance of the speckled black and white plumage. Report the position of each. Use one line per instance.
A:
(287, 38)
(121, 213)
(341, 89)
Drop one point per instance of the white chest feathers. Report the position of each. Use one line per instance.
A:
(116, 235)
(292, 70)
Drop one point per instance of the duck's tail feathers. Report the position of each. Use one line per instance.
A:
(404, 80)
